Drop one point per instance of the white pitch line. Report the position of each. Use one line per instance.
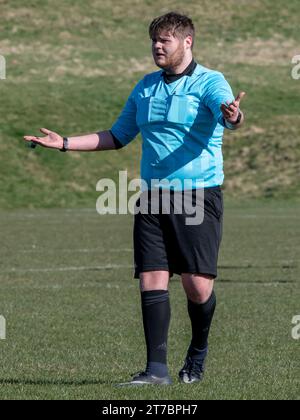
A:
(100, 285)
(70, 250)
(266, 216)
(95, 268)
(63, 269)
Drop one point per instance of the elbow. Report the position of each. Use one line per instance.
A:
(117, 143)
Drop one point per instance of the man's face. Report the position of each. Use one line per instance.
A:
(168, 51)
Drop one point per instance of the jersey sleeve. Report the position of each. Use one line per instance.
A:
(217, 91)
(125, 128)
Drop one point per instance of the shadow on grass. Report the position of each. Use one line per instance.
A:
(52, 382)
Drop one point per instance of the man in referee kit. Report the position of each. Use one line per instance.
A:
(181, 112)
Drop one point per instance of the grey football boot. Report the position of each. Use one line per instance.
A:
(145, 378)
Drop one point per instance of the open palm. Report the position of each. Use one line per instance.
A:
(52, 139)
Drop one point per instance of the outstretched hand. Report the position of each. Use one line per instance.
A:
(231, 110)
(52, 139)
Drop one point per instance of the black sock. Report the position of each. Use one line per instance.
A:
(156, 320)
(201, 316)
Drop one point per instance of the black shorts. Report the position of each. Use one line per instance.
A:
(165, 242)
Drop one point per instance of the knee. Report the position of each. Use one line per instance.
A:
(199, 296)
(154, 280)
(198, 288)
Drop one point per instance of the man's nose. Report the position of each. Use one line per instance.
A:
(157, 45)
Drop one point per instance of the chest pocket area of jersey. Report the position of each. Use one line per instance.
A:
(150, 110)
(183, 109)
(177, 109)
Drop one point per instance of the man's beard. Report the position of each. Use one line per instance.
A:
(174, 61)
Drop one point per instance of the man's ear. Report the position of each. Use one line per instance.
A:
(189, 41)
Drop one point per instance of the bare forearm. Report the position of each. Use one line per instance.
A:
(88, 143)
(92, 142)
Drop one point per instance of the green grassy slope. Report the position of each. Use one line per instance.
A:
(72, 64)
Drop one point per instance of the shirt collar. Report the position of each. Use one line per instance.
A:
(169, 78)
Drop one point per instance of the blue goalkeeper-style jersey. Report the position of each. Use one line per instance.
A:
(182, 128)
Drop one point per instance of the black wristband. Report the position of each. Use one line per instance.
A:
(233, 126)
(65, 145)
(238, 119)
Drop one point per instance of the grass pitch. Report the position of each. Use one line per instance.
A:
(73, 311)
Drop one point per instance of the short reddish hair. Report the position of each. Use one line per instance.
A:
(179, 25)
